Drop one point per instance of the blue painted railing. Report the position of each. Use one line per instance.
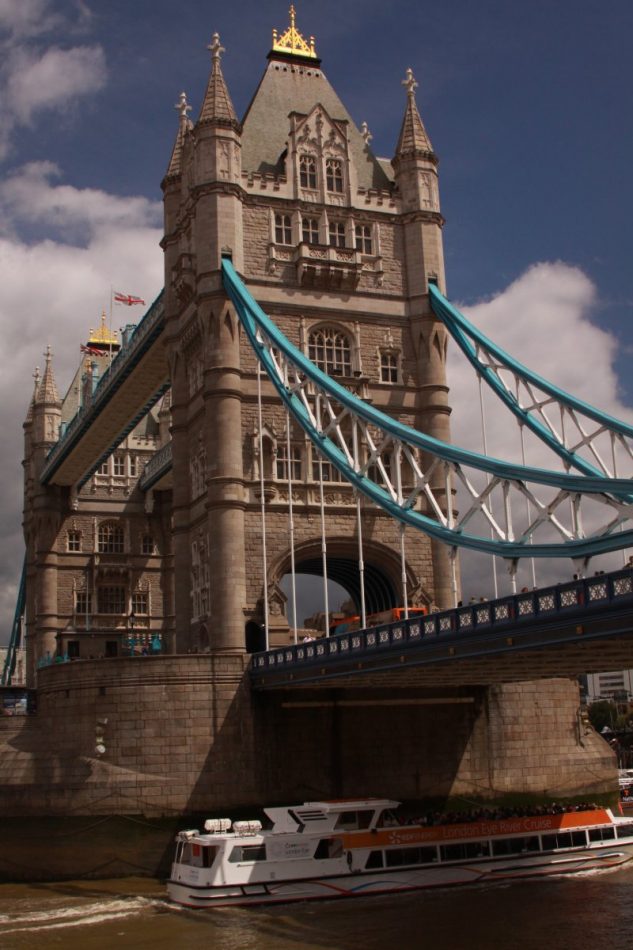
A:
(505, 613)
(16, 631)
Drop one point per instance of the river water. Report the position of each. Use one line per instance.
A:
(593, 910)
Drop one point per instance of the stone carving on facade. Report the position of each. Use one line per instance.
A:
(224, 165)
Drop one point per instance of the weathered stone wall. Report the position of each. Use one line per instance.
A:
(178, 738)
(185, 734)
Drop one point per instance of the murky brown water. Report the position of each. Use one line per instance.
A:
(593, 911)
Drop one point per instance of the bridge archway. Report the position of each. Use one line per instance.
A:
(383, 586)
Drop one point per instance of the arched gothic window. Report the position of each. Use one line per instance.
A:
(334, 175)
(331, 351)
(110, 538)
(307, 171)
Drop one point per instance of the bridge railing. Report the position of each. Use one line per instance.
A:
(159, 463)
(512, 612)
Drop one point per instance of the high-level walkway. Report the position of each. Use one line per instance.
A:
(131, 385)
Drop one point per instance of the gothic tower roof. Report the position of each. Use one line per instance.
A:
(184, 124)
(294, 82)
(47, 390)
(103, 338)
(29, 413)
(413, 137)
(217, 105)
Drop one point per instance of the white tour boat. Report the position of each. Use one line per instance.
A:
(355, 848)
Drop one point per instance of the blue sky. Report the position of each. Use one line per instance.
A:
(527, 105)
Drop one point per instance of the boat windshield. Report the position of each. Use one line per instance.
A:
(196, 855)
(355, 820)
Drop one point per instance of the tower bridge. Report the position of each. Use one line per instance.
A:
(283, 407)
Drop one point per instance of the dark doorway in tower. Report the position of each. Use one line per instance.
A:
(343, 585)
(255, 637)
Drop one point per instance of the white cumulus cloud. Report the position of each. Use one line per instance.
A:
(544, 320)
(52, 79)
(54, 291)
(38, 75)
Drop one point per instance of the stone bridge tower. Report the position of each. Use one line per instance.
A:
(338, 246)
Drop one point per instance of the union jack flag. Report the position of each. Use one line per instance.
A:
(92, 350)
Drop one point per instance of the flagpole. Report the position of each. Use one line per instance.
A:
(110, 346)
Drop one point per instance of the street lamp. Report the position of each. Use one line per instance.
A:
(131, 638)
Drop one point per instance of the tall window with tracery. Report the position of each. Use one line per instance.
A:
(310, 230)
(363, 238)
(281, 464)
(283, 229)
(140, 602)
(336, 230)
(195, 580)
(110, 539)
(82, 602)
(73, 541)
(307, 171)
(334, 175)
(331, 351)
(323, 469)
(388, 367)
(111, 600)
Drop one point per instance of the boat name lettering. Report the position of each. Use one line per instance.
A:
(480, 829)
(289, 849)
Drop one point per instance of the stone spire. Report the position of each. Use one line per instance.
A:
(29, 413)
(47, 411)
(413, 138)
(217, 106)
(175, 166)
(47, 390)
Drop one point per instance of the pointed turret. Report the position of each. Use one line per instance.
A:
(47, 409)
(217, 106)
(413, 138)
(174, 169)
(29, 413)
(47, 394)
(415, 162)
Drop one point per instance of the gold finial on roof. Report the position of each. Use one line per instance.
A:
(103, 335)
(292, 41)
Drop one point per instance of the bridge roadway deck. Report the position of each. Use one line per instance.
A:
(583, 626)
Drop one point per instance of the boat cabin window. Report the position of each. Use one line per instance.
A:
(329, 848)
(464, 850)
(515, 845)
(396, 857)
(388, 819)
(196, 855)
(355, 820)
(247, 853)
(625, 831)
(601, 834)
(374, 860)
(565, 839)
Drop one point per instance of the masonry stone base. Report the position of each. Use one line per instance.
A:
(164, 737)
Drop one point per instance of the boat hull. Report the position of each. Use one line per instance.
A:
(395, 881)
